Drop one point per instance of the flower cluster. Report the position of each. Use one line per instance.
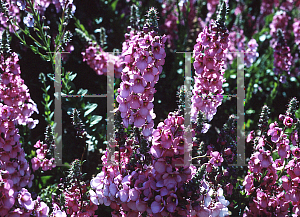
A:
(282, 57)
(267, 6)
(209, 52)
(44, 152)
(272, 184)
(296, 30)
(9, 10)
(280, 21)
(75, 200)
(237, 44)
(97, 59)
(163, 186)
(16, 107)
(144, 54)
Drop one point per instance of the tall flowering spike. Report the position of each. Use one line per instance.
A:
(16, 107)
(209, 51)
(282, 57)
(152, 18)
(134, 17)
(144, 54)
(263, 119)
(78, 124)
(181, 100)
(5, 44)
(222, 13)
(292, 108)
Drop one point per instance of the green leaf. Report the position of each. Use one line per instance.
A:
(47, 98)
(269, 18)
(39, 45)
(34, 49)
(82, 91)
(114, 5)
(89, 108)
(45, 179)
(95, 119)
(72, 76)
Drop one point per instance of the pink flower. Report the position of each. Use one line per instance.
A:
(288, 121)
(278, 164)
(216, 159)
(125, 88)
(265, 158)
(24, 199)
(296, 152)
(157, 207)
(138, 83)
(283, 149)
(42, 210)
(143, 60)
(158, 51)
(172, 202)
(274, 132)
(262, 198)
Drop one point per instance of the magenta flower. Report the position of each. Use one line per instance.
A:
(278, 164)
(263, 199)
(265, 158)
(209, 60)
(42, 210)
(160, 166)
(146, 41)
(158, 51)
(133, 194)
(157, 207)
(296, 152)
(138, 83)
(172, 202)
(274, 132)
(288, 121)
(125, 88)
(283, 150)
(143, 60)
(137, 119)
(149, 74)
(171, 179)
(24, 199)
(216, 159)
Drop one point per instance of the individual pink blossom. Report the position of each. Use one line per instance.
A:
(274, 132)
